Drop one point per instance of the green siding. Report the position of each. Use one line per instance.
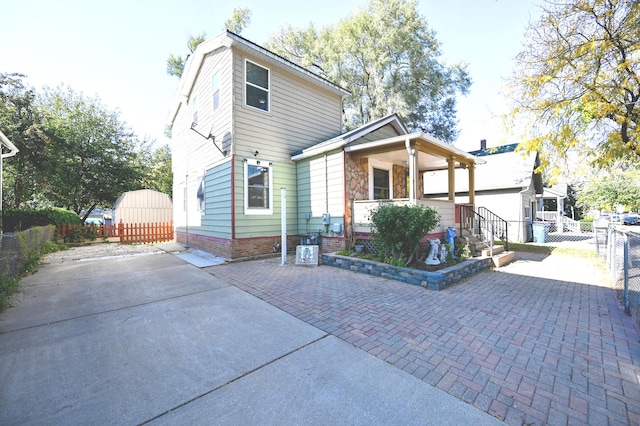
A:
(217, 219)
(320, 190)
(250, 226)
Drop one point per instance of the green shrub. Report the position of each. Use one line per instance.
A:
(31, 244)
(586, 226)
(8, 286)
(19, 219)
(398, 230)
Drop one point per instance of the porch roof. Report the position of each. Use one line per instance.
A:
(433, 152)
(352, 136)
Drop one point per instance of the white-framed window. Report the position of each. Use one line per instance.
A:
(258, 187)
(200, 195)
(380, 180)
(257, 84)
(215, 89)
(194, 109)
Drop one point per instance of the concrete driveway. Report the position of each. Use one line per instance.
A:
(153, 339)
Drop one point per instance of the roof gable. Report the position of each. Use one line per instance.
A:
(227, 40)
(370, 131)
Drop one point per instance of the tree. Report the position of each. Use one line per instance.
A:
(156, 165)
(175, 63)
(90, 157)
(606, 193)
(20, 122)
(239, 20)
(578, 82)
(388, 57)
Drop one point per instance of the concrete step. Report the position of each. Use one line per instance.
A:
(504, 258)
(486, 252)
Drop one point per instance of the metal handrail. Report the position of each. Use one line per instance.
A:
(484, 220)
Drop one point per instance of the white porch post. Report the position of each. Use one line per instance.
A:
(412, 171)
(472, 184)
(559, 210)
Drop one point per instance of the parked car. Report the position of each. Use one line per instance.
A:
(94, 221)
(631, 220)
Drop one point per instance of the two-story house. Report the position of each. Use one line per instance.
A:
(246, 123)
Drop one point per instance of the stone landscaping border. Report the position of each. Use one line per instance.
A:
(437, 280)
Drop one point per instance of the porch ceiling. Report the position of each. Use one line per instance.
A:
(433, 154)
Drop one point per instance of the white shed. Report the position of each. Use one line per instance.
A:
(143, 206)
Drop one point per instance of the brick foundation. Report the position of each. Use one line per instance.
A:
(251, 247)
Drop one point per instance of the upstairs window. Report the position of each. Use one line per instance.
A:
(256, 86)
(215, 86)
(194, 109)
(257, 187)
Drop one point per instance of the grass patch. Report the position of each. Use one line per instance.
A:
(566, 251)
(9, 285)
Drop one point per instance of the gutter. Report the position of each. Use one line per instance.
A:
(6, 142)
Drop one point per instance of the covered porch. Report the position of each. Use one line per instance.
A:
(391, 171)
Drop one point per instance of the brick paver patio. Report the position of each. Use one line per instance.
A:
(543, 340)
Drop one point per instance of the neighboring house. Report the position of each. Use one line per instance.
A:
(558, 193)
(507, 185)
(142, 206)
(246, 123)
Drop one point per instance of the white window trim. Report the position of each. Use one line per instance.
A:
(213, 91)
(268, 110)
(257, 210)
(383, 166)
(202, 208)
(194, 110)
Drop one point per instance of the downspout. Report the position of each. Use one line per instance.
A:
(412, 171)
(521, 230)
(345, 199)
(12, 151)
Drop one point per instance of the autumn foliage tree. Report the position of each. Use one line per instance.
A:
(577, 83)
(389, 59)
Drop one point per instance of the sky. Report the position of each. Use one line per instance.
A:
(116, 50)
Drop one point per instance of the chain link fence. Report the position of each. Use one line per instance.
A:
(576, 234)
(621, 249)
(10, 264)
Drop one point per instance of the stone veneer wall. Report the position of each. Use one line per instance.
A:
(357, 187)
(437, 280)
(400, 189)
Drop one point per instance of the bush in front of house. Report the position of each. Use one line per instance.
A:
(21, 219)
(398, 229)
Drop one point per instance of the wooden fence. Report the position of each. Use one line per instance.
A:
(128, 233)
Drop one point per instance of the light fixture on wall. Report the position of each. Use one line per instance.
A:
(255, 154)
